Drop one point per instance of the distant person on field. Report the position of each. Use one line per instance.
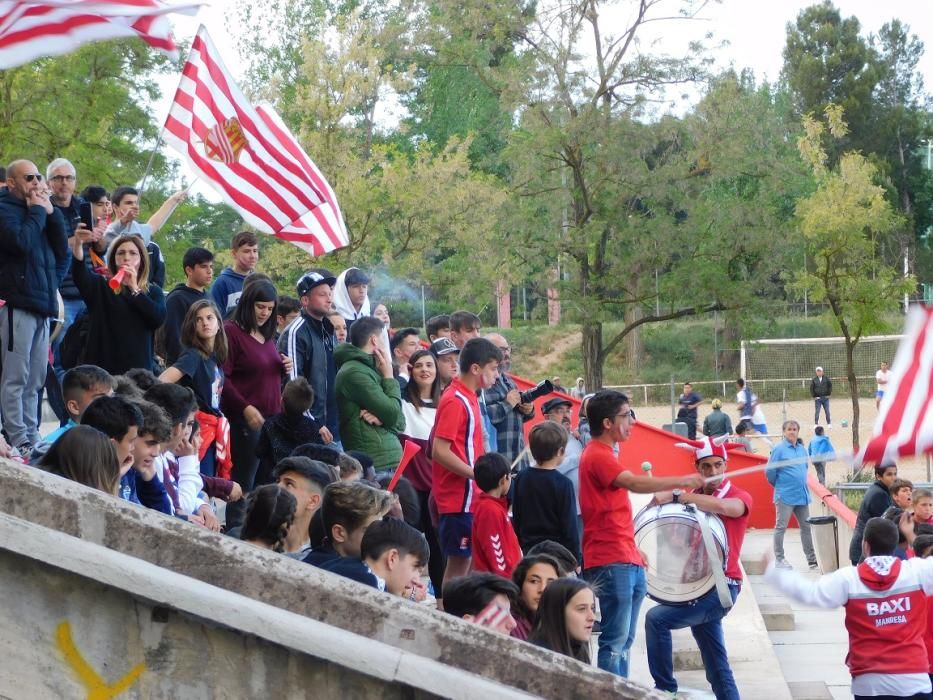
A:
(881, 380)
(821, 388)
(821, 450)
(749, 407)
(717, 423)
(228, 286)
(579, 390)
(688, 401)
(875, 502)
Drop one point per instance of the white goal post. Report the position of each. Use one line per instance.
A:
(797, 358)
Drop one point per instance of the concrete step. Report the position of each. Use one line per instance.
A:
(809, 690)
(778, 617)
(686, 654)
(753, 567)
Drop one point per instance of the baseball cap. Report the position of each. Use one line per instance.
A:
(819, 369)
(356, 276)
(551, 404)
(443, 346)
(312, 278)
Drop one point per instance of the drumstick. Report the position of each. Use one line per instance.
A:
(779, 465)
(519, 458)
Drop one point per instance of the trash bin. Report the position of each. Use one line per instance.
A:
(678, 428)
(825, 541)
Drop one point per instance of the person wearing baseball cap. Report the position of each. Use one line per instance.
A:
(720, 497)
(821, 388)
(448, 360)
(309, 342)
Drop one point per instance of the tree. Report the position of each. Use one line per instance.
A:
(88, 106)
(844, 225)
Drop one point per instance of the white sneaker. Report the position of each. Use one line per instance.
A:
(783, 564)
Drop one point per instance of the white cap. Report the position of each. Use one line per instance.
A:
(819, 369)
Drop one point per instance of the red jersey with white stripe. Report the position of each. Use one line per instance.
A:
(735, 527)
(458, 420)
(885, 605)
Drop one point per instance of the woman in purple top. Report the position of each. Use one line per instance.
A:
(253, 387)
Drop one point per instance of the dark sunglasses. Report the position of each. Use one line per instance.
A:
(34, 176)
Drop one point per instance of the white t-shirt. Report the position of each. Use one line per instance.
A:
(881, 378)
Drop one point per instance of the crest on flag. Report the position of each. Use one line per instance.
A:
(225, 141)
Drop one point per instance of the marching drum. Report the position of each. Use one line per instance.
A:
(677, 564)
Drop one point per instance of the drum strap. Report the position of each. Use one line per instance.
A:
(719, 575)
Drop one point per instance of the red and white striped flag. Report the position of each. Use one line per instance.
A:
(29, 30)
(250, 156)
(905, 419)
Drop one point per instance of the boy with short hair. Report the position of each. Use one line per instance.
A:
(901, 491)
(438, 327)
(306, 479)
(464, 326)
(228, 287)
(142, 484)
(347, 509)
(485, 599)
(922, 501)
(393, 553)
(495, 546)
(457, 440)
(282, 433)
(286, 311)
(821, 450)
(544, 505)
(119, 419)
(81, 385)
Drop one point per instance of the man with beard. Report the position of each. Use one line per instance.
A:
(505, 408)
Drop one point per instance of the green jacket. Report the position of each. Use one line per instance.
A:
(717, 423)
(360, 386)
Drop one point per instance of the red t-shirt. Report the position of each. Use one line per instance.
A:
(608, 532)
(734, 527)
(458, 420)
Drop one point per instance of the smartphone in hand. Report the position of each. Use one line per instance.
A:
(87, 216)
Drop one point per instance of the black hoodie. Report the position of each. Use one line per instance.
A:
(177, 303)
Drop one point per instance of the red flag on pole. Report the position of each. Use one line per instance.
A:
(250, 157)
(29, 30)
(905, 419)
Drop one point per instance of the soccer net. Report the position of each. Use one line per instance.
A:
(776, 364)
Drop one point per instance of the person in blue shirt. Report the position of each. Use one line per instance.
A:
(821, 451)
(791, 495)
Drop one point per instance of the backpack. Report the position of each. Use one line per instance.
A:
(73, 350)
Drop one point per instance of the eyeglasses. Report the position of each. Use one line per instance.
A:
(32, 176)
(62, 178)
(626, 414)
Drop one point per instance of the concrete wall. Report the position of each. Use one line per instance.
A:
(70, 508)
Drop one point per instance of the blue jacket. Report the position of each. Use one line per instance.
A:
(789, 482)
(226, 290)
(151, 494)
(820, 445)
(33, 255)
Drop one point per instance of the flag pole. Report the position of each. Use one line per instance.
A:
(155, 149)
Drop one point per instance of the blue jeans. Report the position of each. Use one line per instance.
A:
(824, 402)
(704, 618)
(620, 588)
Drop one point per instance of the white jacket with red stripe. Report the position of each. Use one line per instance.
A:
(885, 604)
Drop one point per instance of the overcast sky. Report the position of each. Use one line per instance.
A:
(753, 29)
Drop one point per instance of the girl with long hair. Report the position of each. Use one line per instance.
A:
(270, 511)
(85, 455)
(566, 613)
(253, 373)
(419, 406)
(123, 321)
(533, 574)
(204, 350)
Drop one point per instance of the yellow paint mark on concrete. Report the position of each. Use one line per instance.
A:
(97, 687)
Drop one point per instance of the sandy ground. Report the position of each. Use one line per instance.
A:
(913, 468)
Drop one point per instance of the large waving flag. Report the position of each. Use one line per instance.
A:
(905, 420)
(29, 30)
(249, 155)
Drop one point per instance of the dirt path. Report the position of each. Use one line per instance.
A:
(539, 364)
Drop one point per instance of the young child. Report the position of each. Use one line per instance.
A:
(821, 450)
(204, 349)
(457, 443)
(495, 546)
(543, 502)
(922, 501)
(901, 491)
(392, 556)
(282, 433)
(347, 509)
(80, 386)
